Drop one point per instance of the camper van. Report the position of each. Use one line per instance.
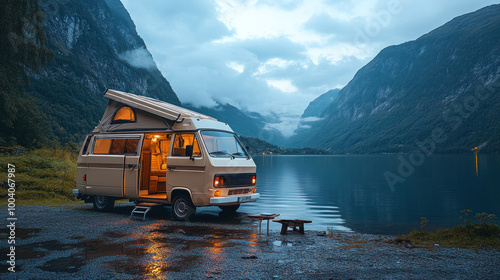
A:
(150, 151)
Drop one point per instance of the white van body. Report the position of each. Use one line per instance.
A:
(148, 150)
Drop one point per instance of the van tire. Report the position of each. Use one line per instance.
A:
(230, 208)
(182, 208)
(103, 203)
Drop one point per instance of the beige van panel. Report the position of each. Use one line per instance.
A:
(131, 179)
(187, 173)
(105, 175)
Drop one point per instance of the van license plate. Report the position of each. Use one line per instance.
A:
(244, 198)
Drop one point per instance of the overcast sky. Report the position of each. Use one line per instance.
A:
(277, 56)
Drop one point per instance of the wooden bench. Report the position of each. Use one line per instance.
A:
(286, 223)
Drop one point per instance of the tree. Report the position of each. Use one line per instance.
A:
(22, 50)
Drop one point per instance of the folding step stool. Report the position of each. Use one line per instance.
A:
(142, 209)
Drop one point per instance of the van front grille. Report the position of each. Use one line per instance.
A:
(240, 191)
(236, 180)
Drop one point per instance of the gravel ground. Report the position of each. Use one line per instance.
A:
(75, 242)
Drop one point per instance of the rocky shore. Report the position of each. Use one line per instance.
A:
(75, 242)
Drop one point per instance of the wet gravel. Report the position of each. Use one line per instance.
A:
(75, 242)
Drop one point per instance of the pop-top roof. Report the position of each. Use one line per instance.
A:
(154, 106)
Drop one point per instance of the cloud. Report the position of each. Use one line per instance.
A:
(286, 125)
(139, 58)
(274, 57)
(236, 66)
(285, 86)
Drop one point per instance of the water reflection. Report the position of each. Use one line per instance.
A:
(286, 189)
(154, 252)
(351, 192)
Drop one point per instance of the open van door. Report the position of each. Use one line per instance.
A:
(131, 169)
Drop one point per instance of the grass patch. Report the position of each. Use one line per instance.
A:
(42, 177)
(477, 235)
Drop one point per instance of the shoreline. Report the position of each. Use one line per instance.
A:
(73, 241)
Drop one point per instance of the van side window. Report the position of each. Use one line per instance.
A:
(131, 146)
(86, 145)
(116, 146)
(101, 146)
(180, 143)
(124, 114)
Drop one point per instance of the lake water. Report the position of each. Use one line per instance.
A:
(351, 192)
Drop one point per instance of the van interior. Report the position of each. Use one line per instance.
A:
(154, 165)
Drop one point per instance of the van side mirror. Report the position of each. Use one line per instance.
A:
(189, 151)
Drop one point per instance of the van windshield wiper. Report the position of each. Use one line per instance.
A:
(221, 153)
(238, 154)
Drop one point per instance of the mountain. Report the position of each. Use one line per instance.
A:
(249, 124)
(22, 49)
(439, 93)
(95, 46)
(257, 146)
(318, 105)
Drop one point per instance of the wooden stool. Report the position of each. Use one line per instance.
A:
(286, 223)
(264, 217)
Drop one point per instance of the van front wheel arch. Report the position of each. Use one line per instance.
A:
(182, 207)
(103, 203)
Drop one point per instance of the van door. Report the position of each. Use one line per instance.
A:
(106, 164)
(184, 171)
(132, 167)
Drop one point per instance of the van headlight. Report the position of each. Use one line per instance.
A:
(219, 181)
(254, 180)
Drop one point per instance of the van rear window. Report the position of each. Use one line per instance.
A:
(116, 146)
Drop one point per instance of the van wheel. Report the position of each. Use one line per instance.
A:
(103, 203)
(230, 208)
(182, 208)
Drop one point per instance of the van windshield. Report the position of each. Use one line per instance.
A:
(222, 144)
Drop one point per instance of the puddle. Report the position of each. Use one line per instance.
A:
(279, 243)
(112, 234)
(151, 268)
(204, 231)
(77, 237)
(69, 264)
(156, 251)
(36, 250)
(21, 233)
(187, 245)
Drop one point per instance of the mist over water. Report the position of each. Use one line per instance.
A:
(350, 192)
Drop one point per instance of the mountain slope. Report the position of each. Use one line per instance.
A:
(249, 124)
(318, 105)
(22, 49)
(444, 83)
(96, 47)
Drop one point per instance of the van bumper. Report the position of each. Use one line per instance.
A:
(234, 199)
